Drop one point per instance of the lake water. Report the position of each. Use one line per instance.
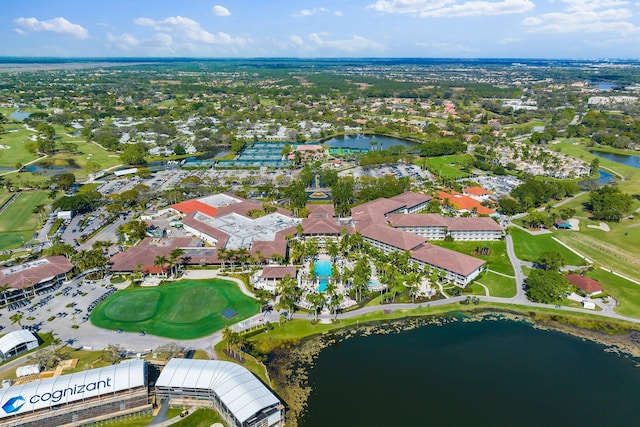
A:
(489, 373)
(626, 159)
(364, 142)
(19, 115)
(604, 177)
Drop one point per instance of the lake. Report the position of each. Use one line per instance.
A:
(604, 177)
(488, 373)
(19, 115)
(364, 142)
(626, 159)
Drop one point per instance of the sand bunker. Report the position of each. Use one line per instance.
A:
(602, 226)
(575, 224)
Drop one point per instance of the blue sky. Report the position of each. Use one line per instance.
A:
(586, 29)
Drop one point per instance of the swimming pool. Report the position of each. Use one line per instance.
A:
(323, 272)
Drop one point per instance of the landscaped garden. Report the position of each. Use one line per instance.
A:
(186, 309)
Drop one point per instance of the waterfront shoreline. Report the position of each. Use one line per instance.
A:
(289, 365)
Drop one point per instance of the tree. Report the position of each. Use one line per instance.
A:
(113, 353)
(546, 286)
(169, 350)
(551, 260)
(134, 154)
(594, 166)
(609, 203)
(316, 301)
(161, 261)
(16, 318)
(173, 258)
(508, 206)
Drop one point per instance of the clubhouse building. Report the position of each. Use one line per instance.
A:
(33, 277)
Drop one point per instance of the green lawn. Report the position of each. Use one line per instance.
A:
(499, 286)
(497, 260)
(447, 166)
(202, 417)
(617, 249)
(529, 247)
(183, 310)
(625, 292)
(18, 221)
(14, 137)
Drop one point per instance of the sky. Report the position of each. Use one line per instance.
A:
(571, 29)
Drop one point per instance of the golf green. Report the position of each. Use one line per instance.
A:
(186, 309)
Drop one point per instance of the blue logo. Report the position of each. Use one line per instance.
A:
(14, 404)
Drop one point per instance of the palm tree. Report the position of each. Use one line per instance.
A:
(223, 255)
(161, 261)
(16, 318)
(316, 301)
(228, 335)
(174, 255)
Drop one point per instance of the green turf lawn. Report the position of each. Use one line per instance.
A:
(499, 286)
(447, 166)
(617, 249)
(15, 136)
(202, 417)
(183, 310)
(625, 292)
(497, 260)
(529, 247)
(18, 221)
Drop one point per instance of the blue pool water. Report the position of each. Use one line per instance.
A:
(323, 272)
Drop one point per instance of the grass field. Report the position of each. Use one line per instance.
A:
(18, 221)
(625, 292)
(529, 247)
(497, 260)
(184, 310)
(447, 166)
(499, 286)
(14, 137)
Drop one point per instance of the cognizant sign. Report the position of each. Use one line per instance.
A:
(45, 399)
(57, 395)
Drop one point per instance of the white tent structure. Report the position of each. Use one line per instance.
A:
(17, 342)
(53, 393)
(234, 391)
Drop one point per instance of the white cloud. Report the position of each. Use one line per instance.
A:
(338, 13)
(587, 16)
(450, 8)
(21, 32)
(221, 11)
(316, 11)
(191, 30)
(296, 40)
(354, 44)
(56, 25)
(124, 41)
(448, 47)
(509, 40)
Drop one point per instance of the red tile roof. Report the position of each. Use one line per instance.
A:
(191, 206)
(320, 226)
(34, 272)
(269, 248)
(321, 211)
(476, 191)
(465, 203)
(146, 253)
(447, 259)
(411, 199)
(587, 284)
(391, 236)
(416, 220)
(375, 210)
(278, 272)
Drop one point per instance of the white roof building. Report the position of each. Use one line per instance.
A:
(17, 342)
(53, 392)
(242, 395)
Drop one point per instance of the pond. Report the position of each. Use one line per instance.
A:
(626, 159)
(19, 115)
(483, 373)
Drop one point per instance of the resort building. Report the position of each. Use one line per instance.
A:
(269, 277)
(33, 276)
(240, 398)
(76, 399)
(17, 342)
(461, 204)
(458, 268)
(436, 227)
